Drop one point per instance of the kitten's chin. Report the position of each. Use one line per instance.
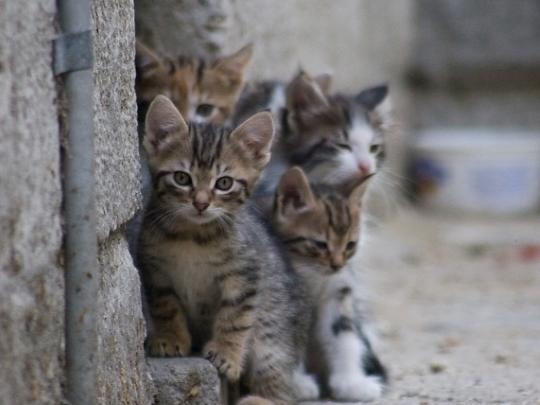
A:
(201, 219)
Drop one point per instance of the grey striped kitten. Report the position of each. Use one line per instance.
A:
(320, 227)
(215, 280)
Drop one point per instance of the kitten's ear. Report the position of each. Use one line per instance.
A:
(324, 80)
(294, 194)
(355, 187)
(304, 94)
(147, 62)
(372, 97)
(163, 124)
(237, 63)
(253, 138)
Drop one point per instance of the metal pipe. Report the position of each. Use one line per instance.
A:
(81, 244)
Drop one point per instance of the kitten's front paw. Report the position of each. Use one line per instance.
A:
(168, 345)
(305, 386)
(227, 362)
(355, 387)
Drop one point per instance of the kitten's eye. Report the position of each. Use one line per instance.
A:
(351, 245)
(321, 245)
(204, 110)
(224, 183)
(375, 148)
(182, 178)
(345, 146)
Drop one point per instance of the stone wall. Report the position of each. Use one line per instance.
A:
(31, 272)
(31, 276)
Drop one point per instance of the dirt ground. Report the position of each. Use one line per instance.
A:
(457, 304)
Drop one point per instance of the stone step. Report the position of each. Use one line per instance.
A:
(189, 381)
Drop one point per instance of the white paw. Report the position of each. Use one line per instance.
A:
(305, 386)
(355, 387)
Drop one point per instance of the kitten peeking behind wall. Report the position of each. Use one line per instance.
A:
(202, 90)
(215, 280)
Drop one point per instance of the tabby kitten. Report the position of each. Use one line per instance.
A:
(216, 281)
(333, 137)
(202, 90)
(320, 227)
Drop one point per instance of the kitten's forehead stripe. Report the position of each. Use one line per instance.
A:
(200, 70)
(207, 141)
(339, 216)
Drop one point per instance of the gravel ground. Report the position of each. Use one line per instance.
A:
(457, 303)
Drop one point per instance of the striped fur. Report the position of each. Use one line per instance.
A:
(215, 280)
(320, 228)
(201, 89)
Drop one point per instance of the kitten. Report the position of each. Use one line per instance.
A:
(320, 227)
(271, 96)
(216, 281)
(333, 137)
(202, 90)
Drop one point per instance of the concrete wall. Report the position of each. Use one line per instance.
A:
(31, 276)
(122, 375)
(31, 260)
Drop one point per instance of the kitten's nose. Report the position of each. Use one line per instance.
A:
(336, 262)
(364, 168)
(200, 206)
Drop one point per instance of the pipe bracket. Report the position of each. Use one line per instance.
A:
(73, 52)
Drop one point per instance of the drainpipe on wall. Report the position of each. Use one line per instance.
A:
(73, 59)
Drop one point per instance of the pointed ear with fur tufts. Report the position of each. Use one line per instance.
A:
(324, 80)
(164, 125)
(147, 62)
(303, 93)
(373, 96)
(355, 187)
(253, 139)
(235, 65)
(294, 194)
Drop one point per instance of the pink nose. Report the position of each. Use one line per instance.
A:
(200, 206)
(364, 168)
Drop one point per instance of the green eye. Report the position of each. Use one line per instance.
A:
(351, 245)
(204, 110)
(320, 244)
(224, 183)
(375, 148)
(345, 146)
(182, 178)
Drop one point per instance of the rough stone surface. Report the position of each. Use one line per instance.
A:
(116, 144)
(31, 276)
(122, 375)
(189, 381)
(121, 371)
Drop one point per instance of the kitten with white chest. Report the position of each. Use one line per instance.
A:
(320, 228)
(216, 281)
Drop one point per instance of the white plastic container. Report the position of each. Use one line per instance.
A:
(478, 171)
